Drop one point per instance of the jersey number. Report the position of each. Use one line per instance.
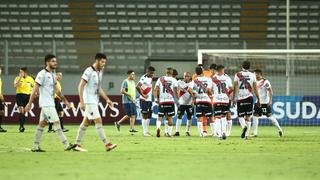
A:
(244, 83)
(202, 88)
(164, 89)
(222, 88)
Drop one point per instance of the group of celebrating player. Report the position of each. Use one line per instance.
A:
(211, 95)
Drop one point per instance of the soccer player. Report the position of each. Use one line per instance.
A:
(23, 84)
(265, 94)
(164, 93)
(1, 104)
(222, 87)
(128, 91)
(90, 91)
(202, 89)
(244, 86)
(144, 88)
(46, 86)
(186, 96)
(57, 102)
(210, 73)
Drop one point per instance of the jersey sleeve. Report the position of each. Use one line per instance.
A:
(86, 75)
(229, 81)
(175, 83)
(40, 78)
(158, 82)
(268, 85)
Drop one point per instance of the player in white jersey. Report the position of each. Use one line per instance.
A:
(46, 88)
(144, 88)
(222, 87)
(185, 94)
(265, 94)
(245, 82)
(164, 93)
(203, 91)
(90, 91)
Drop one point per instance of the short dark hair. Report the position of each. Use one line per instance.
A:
(100, 56)
(175, 72)
(130, 71)
(25, 69)
(213, 66)
(246, 65)
(219, 67)
(48, 57)
(169, 70)
(258, 71)
(199, 70)
(151, 68)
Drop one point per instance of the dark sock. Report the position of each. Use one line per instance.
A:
(1, 119)
(22, 119)
(61, 122)
(50, 126)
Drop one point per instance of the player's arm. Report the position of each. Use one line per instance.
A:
(235, 90)
(80, 90)
(32, 96)
(103, 94)
(255, 89)
(138, 88)
(270, 96)
(17, 81)
(156, 92)
(63, 98)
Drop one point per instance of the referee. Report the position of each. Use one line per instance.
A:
(1, 104)
(23, 84)
(58, 106)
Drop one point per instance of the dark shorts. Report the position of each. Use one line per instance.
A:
(58, 105)
(185, 109)
(146, 107)
(203, 110)
(264, 109)
(22, 99)
(166, 110)
(245, 107)
(221, 109)
(130, 109)
(1, 105)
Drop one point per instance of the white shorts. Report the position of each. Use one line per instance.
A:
(49, 114)
(92, 112)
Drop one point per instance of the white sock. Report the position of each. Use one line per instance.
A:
(229, 127)
(248, 124)
(166, 126)
(158, 124)
(275, 122)
(255, 123)
(224, 125)
(38, 135)
(188, 125)
(218, 132)
(101, 134)
(61, 135)
(178, 125)
(170, 130)
(144, 125)
(242, 122)
(212, 129)
(147, 125)
(200, 128)
(81, 131)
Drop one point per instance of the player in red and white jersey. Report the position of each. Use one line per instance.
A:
(203, 90)
(244, 87)
(164, 93)
(185, 94)
(265, 94)
(222, 87)
(144, 88)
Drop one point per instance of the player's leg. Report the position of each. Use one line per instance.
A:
(20, 102)
(81, 132)
(38, 135)
(229, 124)
(126, 109)
(214, 120)
(241, 112)
(61, 115)
(170, 113)
(133, 114)
(189, 118)
(181, 111)
(102, 135)
(146, 115)
(1, 116)
(223, 121)
(274, 121)
(257, 112)
(159, 120)
(199, 114)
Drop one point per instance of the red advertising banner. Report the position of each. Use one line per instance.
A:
(72, 116)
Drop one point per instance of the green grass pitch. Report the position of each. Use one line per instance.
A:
(295, 156)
